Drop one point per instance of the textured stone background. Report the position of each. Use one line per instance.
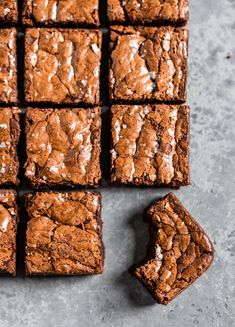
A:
(115, 298)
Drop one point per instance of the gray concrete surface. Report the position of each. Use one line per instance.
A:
(115, 298)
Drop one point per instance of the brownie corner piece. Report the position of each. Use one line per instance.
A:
(63, 147)
(60, 13)
(8, 11)
(179, 250)
(161, 12)
(8, 64)
(9, 139)
(64, 234)
(150, 145)
(148, 63)
(8, 229)
(62, 66)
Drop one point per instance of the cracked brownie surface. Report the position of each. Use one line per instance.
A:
(179, 252)
(148, 63)
(8, 11)
(148, 11)
(8, 66)
(8, 229)
(62, 65)
(150, 145)
(9, 139)
(63, 147)
(64, 233)
(60, 12)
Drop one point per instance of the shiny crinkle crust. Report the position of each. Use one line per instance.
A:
(148, 63)
(8, 65)
(62, 65)
(179, 253)
(148, 11)
(8, 11)
(64, 233)
(9, 139)
(8, 230)
(150, 145)
(44, 12)
(63, 147)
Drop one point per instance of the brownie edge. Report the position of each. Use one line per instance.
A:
(179, 250)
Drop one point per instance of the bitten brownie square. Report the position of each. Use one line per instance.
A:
(62, 65)
(63, 147)
(60, 12)
(8, 11)
(149, 11)
(179, 250)
(8, 66)
(64, 234)
(8, 230)
(148, 63)
(150, 145)
(9, 139)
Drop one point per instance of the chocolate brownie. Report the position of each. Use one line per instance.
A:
(62, 65)
(54, 12)
(63, 147)
(64, 234)
(150, 145)
(8, 11)
(8, 66)
(148, 63)
(8, 230)
(179, 250)
(9, 139)
(149, 11)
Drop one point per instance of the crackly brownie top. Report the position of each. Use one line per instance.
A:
(64, 233)
(8, 221)
(8, 11)
(8, 65)
(62, 65)
(150, 144)
(9, 138)
(167, 11)
(180, 253)
(148, 63)
(63, 146)
(62, 11)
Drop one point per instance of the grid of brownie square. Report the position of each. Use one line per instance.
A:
(62, 65)
(9, 139)
(148, 11)
(8, 229)
(63, 147)
(148, 63)
(150, 145)
(8, 66)
(64, 233)
(54, 12)
(8, 11)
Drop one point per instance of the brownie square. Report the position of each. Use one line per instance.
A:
(8, 229)
(63, 147)
(9, 139)
(62, 65)
(148, 11)
(150, 145)
(8, 66)
(179, 250)
(64, 234)
(148, 63)
(60, 12)
(8, 11)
